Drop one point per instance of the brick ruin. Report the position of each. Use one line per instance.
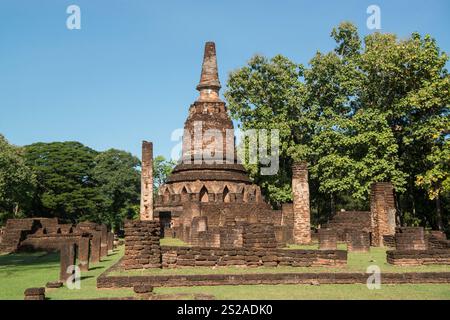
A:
(146, 208)
(208, 198)
(382, 208)
(301, 207)
(414, 247)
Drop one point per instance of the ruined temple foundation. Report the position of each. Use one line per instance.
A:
(382, 207)
(67, 259)
(301, 209)
(83, 254)
(142, 247)
(411, 238)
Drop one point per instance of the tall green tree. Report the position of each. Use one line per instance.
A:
(117, 177)
(65, 187)
(371, 110)
(17, 182)
(161, 171)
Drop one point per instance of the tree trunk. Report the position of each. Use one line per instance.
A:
(440, 223)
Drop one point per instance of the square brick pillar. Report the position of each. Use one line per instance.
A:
(110, 242)
(104, 241)
(67, 258)
(382, 209)
(95, 246)
(301, 210)
(83, 254)
(146, 209)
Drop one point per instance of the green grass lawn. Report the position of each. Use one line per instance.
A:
(26, 270)
(322, 292)
(173, 242)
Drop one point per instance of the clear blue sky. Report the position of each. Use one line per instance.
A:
(130, 73)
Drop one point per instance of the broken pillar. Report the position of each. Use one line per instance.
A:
(95, 246)
(301, 210)
(110, 242)
(104, 241)
(83, 254)
(146, 209)
(67, 259)
(382, 210)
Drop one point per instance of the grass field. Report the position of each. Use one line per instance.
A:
(21, 271)
(25, 270)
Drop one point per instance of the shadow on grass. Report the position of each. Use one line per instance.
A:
(28, 259)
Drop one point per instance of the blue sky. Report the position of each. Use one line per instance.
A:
(130, 73)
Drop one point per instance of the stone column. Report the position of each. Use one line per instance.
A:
(110, 242)
(83, 254)
(95, 246)
(146, 210)
(382, 208)
(301, 210)
(67, 258)
(104, 241)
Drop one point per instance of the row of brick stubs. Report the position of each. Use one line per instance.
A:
(174, 257)
(142, 246)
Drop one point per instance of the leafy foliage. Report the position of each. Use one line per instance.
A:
(371, 110)
(17, 181)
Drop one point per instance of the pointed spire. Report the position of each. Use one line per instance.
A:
(209, 80)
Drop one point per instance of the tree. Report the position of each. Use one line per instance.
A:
(117, 178)
(371, 110)
(17, 181)
(65, 187)
(161, 171)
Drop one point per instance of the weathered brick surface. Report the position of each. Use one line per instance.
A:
(146, 209)
(347, 221)
(67, 259)
(268, 279)
(103, 241)
(327, 239)
(301, 209)
(382, 207)
(110, 242)
(96, 242)
(358, 241)
(418, 257)
(175, 257)
(259, 235)
(34, 294)
(83, 253)
(412, 238)
(142, 247)
(16, 230)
